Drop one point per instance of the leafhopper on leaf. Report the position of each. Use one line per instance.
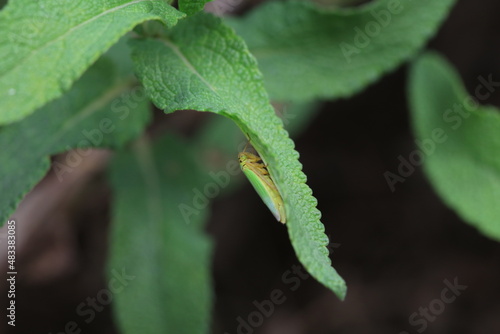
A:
(258, 175)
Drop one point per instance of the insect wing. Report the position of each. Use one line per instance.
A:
(266, 190)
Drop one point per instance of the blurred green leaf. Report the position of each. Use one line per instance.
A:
(104, 108)
(203, 65)
(151, 240)
(45, 45)
(461, 141)
(306, 52)
(298, 116)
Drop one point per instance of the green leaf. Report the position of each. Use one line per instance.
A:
(204, 66)
(191, 7)
(461, 141)
(45, 45)
(221, 133)
(307, 52)
(103, 109)
(151, 241)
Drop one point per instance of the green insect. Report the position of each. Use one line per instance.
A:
(258, 175)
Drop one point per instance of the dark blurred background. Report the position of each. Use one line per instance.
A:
(395, 250)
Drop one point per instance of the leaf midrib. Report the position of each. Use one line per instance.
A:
(145, 160)
(186, 61)
(36, 50)
(90, 109)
